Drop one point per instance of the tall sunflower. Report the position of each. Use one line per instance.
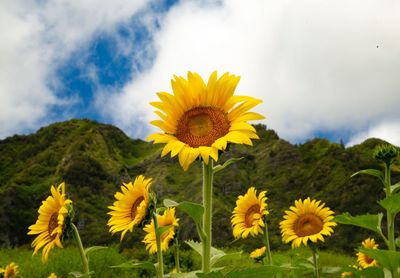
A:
(199, 119)
(131, 206)
(307, 220)
(10, 271)
(247, 216)
(167, 219)
(363, 260)
(51, 222)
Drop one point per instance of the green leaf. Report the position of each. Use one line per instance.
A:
(225, 257)
(192, 274)
(213, 274)
(91, 249)
(78, 274)
(170, 203)
(385, 258)
(371, 172)
(218, 168)
(263, 271)
(194, 210)
(395, 187)
(161, 230)
(371, 272)
(133, 264)
(367, 221)
(391, 203)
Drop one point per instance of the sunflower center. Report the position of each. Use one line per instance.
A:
(308, 224)
(135, 206)
(368, 260)
(53, 222)
(201, 126)
(250, 215)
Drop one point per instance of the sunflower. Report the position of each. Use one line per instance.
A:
(247, 216)
(363, 260)
(256, 254)
(52, 275)
(307, 220)
(199, 119)
(51, 222)
(10, 271)
(167, 219)
(131, 206)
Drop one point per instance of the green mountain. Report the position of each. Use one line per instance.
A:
(94, 159)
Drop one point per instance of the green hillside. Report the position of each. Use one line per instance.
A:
(94, 159)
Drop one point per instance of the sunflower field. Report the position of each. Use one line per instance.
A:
(199, 122)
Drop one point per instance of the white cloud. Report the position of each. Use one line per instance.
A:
(318, 65)
(388, 131)
(36, 36)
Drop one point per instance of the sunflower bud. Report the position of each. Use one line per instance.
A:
(386, 153)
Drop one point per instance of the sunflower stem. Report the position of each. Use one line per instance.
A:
(266, 234)
(176, 256)
(84, 259)
(207, 217)
(314, 253)
(389, 216)
(160, 267)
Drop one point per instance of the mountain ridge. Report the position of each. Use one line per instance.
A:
(94, 159)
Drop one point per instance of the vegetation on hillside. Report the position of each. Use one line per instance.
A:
(94, 159)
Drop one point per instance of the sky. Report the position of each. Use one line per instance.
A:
(322, 68)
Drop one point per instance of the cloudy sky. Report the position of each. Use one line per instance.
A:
(323, 68)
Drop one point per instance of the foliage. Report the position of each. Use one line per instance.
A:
(94, 159)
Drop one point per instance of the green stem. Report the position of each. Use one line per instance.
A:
(176, 256)
(389, 216)
(207, 217)
(266, 234)
(314, 253)
(78, 241)
(160, 268)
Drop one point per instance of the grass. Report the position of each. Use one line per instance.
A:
(63, 261)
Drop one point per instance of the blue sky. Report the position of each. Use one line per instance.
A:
(323, 69)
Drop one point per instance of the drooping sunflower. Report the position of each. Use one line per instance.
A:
(258, 253)
(51, 222)
(131, 206)
(247, 216)
(363, 260)
(307, 220)
(10, 271)
(167, 219)
(199, 119)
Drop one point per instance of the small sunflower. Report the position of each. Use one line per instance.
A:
(258, 253)
(247, 216)
(10, 271)
(52, 275)
(307, 220)
(199, 119)
(363, 260)
(167, 219)
(131, 206)
(51, 222)
(346, 274)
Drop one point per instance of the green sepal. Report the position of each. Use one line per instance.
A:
(367, 221)
(134, 264)
(391, 203)
(371, 172)
(230, 161)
